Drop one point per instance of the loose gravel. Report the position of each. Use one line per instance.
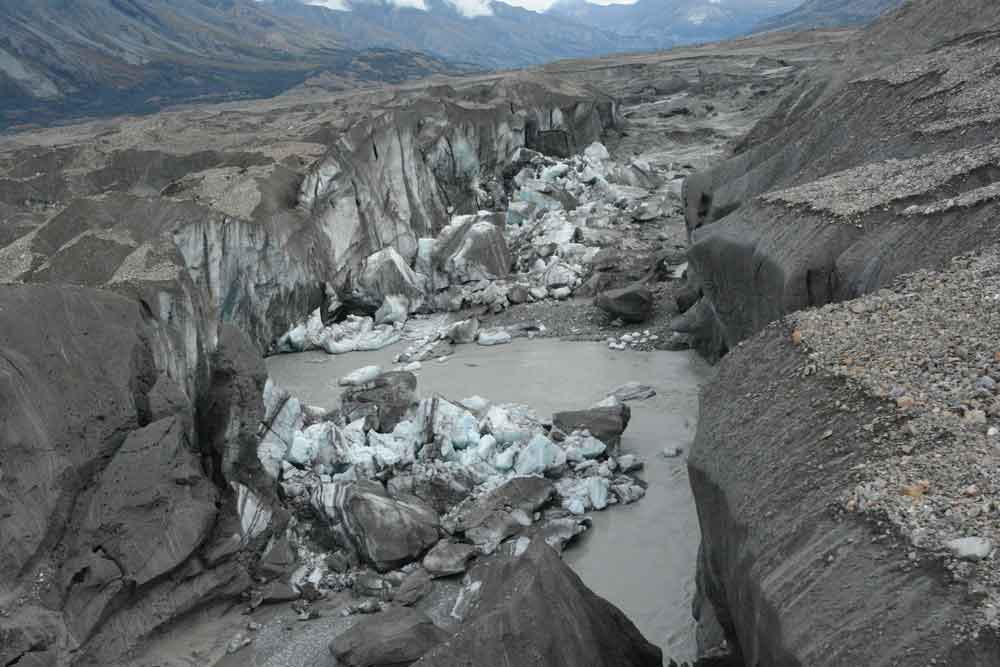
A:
(930, 349)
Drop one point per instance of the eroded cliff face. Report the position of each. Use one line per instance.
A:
(116, 515)
(263, 232)
(881, 167)
(866, 172)
(796, 573)
(140, 287)
(400, 176)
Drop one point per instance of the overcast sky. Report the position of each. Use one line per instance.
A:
(470, 7)
(544, 4)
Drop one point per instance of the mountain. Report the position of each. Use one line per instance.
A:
(828, 14)
(498, 35)
(508, 36)
(65, 58)
(662, 23)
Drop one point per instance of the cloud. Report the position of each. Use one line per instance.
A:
(468, 8)
(336, 5)
(542, 5)
(472, 8)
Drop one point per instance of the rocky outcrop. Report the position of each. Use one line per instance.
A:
(112, 524)
(894, 176)
(264, 235)
(838, 527)
(816, 494)
(522, 603)
(394, 179)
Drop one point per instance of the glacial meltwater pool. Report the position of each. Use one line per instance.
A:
(640, 557)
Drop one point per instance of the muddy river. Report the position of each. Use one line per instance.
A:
(640, 557)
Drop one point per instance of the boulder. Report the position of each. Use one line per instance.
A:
(631, 304)
(488, 520)
(385, 532)
(448, 558)
(440, 485)
(394, 309)
(464, 331)
(414, 587)
(473, 248)
(518, 294)
(533, 611)
(390, 393)
(391, 638)
(559, 531)
(384, 274)
(560, 275)
(606, 423)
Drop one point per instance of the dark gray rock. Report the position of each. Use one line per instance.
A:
(369, 584)
(631, 304)
(764, 507)
(518, 294)
(279, 591)
(606, 423)
(473, 248)
(414, 587)
(383, 274)
(442, 487)
(395, 637)
(386, 399)
(118, 503)
(385, 532)
(231, 410)
(533, 611)
(488, 520)
(811, 213)
(448, 558)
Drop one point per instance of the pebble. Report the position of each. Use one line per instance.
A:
(237, 642)
(970, 548)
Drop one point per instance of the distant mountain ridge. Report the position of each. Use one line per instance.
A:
(663, 23)
(501, 35)
(61, 59)
(71, 58)
(508, 37)
(814, 14)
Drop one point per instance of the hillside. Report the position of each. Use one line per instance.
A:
(507, 37)
(61, 59)
(662, 23)
(814, 14)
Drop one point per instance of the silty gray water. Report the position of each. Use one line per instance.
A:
(640, 557)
